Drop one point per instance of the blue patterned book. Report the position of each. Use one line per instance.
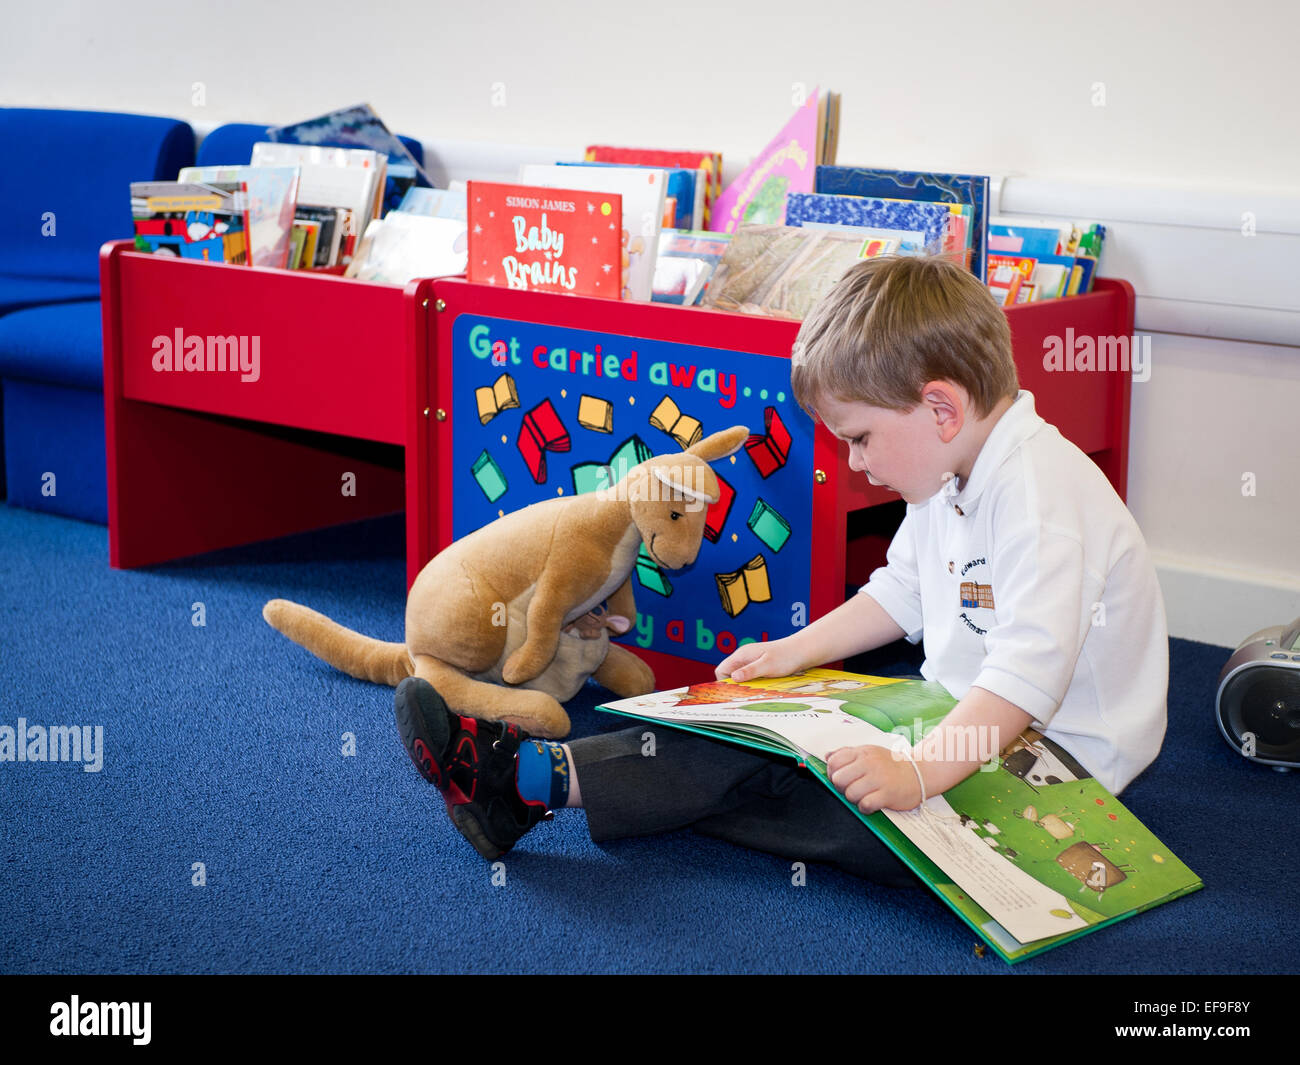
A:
(873, 212)
(918, 185)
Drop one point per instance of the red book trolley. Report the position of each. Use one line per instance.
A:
(243, 404)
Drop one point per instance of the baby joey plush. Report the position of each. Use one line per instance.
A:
(507, 622)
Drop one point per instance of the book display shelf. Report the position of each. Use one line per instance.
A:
(463, 401)
(218, 455)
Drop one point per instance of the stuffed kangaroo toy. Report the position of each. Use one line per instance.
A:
(501, 623)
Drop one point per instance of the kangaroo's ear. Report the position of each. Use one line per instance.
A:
(720, 444)
(694, 480)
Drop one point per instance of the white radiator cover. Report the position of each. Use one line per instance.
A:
(1187, 252)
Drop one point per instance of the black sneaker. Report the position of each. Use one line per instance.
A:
(472, 763)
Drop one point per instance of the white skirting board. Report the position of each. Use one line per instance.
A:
(1211, 604)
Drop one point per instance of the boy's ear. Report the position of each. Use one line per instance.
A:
(720, 444)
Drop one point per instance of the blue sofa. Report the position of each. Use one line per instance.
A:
(67, 194)
(51, 338)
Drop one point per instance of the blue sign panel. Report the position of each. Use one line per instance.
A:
(562, 411)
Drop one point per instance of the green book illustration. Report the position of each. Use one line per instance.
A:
(489, 477)
(649, 575)
(768, 205)
(1030, 851)
(768, 525)
(631, 452)
(590, 477)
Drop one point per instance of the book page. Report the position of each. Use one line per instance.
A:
(1018, 902)
(810, 725)
(1031, 847)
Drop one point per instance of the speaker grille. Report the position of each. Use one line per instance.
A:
(1264, 703)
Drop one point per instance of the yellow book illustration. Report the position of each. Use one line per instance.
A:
(681, 427)
(1076, 279)
(312, 229)
(492, 401)
(749, 584)
(595, 413)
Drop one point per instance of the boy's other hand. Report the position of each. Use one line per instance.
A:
(873, 779)
(770, 658)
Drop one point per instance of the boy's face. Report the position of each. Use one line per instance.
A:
(902, 451)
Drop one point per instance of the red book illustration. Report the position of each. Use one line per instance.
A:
(721, 691)
(541, 431)
(545, 240)
(716, 516)
(770, 449)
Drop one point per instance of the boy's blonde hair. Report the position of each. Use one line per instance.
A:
(893, 323)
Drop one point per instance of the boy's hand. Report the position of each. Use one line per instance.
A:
(873, 779)
(770, 658)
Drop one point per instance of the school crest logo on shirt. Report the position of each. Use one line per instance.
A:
(975, 595)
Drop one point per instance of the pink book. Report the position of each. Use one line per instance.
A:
(788, 164)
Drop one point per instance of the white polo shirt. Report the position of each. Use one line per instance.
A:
(1034, 582)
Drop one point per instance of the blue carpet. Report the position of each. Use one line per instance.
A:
(222, 746)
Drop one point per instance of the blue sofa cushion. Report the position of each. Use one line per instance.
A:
(66, 188)
(54, 450)
(59, 345)
(19, 292)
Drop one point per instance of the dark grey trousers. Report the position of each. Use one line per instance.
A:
(726, 791)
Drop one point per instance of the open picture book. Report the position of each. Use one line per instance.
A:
(1030, 851)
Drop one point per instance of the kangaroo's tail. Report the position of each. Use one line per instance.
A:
(358, 656)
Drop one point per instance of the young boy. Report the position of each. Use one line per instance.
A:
(1016, 561)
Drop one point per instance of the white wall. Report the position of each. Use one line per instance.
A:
(1212, 414)
(1177, 95)
(1194, 91)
